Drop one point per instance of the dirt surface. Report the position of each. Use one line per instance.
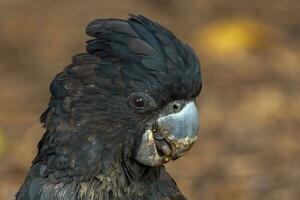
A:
(250, 112)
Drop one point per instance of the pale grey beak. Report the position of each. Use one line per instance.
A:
(169, 136)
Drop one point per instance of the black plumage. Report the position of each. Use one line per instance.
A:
(91, 129)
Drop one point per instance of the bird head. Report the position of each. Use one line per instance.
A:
(132, 94)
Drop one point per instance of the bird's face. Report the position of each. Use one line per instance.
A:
(166, 130)
(169, 134)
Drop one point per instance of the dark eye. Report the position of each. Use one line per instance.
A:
(139, 102)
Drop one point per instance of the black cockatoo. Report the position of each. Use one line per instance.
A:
(116, 115)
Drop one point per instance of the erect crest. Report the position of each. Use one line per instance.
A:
(148, 51)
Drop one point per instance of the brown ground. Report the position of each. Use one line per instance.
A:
(250, 112)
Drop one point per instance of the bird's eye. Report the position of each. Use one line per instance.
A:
(139, 102)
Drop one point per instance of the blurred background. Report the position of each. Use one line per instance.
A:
(249, 146)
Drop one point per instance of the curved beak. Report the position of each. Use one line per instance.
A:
(171, 135)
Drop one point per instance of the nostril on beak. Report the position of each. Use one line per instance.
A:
(176, 106)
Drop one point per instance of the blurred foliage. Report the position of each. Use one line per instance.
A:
(233, 36)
